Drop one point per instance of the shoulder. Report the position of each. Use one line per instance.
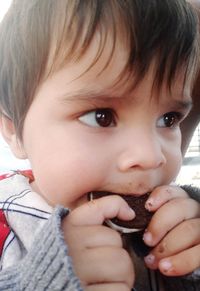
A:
(11, 184)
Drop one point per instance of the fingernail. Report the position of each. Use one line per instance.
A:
(165, 265)
(131, 212)
(150, 259)
(147, 237)
(149, 203)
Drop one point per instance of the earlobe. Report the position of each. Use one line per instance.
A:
(8, 132)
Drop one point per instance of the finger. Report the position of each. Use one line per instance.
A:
(182, 237)
(92, 236)
(96, 211)
(108, 287)
(179, 209)
(107, 265)
(163, 194)
(181, 264)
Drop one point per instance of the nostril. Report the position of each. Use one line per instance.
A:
(141, 161)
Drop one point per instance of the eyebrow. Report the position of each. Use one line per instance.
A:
(183, 104)
(108, 96)
(93, 96)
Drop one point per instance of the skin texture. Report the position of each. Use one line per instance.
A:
(63, 118)
(187, 260)
(177, 253)
(71, 154)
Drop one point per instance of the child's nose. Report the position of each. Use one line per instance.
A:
(144, 151)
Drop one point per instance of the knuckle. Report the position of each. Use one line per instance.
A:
(187, 264)
(190, 207)
(113, 235)
(168, 190)
(177, 191)
(191, 226)
(127, 265)
(180, 203)
(117, 237)
(125, 255)
(122, 287)
(109, 287)
(162, 248)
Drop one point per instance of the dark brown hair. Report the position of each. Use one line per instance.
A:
(38, 37)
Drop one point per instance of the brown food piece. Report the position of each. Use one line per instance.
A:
(143, 216)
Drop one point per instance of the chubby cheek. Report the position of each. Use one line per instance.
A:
(174, 165)
(65, 181)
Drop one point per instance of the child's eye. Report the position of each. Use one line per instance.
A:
(170, 119)
(104, 117)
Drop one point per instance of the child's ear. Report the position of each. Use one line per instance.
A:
(8, 131)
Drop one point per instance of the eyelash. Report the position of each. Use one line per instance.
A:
(171, 119)
(106, 117)
(101, 117)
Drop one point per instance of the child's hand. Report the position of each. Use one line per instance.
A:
(99, 259)
(174, 232)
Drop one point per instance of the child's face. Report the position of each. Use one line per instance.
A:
(82, 134)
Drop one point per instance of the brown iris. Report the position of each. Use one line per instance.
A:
(104, 117)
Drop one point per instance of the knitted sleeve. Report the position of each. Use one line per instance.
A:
(193, 192)
(47, 265)
(180, 283)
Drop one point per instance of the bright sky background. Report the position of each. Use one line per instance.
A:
(4, 5)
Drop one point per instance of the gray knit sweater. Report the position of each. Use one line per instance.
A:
(47, 265)
(33, 253)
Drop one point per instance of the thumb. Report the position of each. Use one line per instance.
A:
(95, 212)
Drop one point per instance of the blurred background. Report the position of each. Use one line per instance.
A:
(4, 5)
(190, 171)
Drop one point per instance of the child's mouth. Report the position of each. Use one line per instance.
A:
(137, 203)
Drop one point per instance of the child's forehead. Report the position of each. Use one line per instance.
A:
(118, 40)
(111, 54)
(107, 67)
(99, 55)
(166, 29)
(81, 82)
